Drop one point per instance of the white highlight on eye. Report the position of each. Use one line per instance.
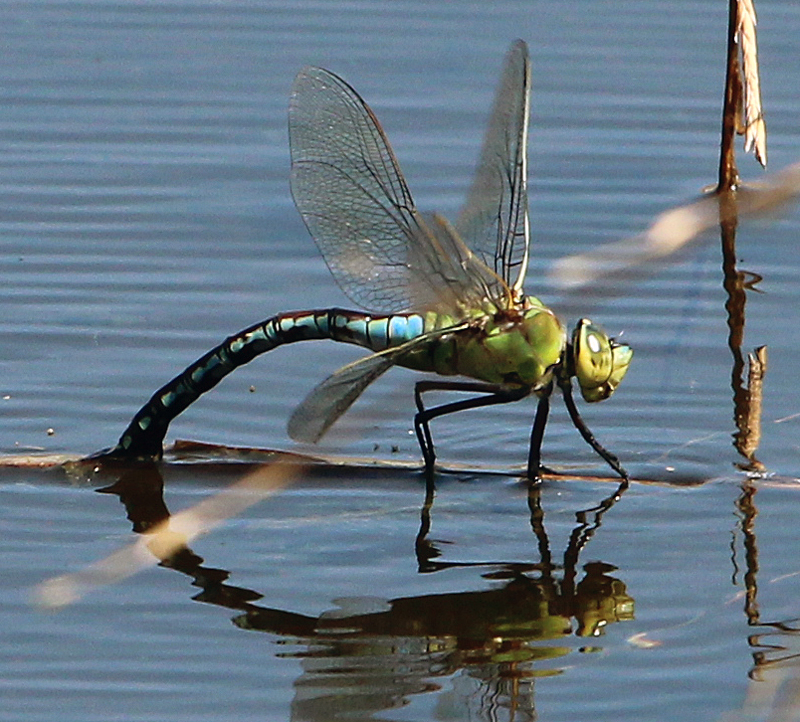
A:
(593, 343)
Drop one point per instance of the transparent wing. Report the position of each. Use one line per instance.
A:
(330, 399)
(494, 219)
(355, 202)
(672, 231)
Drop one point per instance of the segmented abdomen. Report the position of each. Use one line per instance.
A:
(144, 436)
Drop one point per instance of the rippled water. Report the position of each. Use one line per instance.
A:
(146, 216)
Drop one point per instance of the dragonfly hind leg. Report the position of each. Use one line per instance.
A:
(495, 394)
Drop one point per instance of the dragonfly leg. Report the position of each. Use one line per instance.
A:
(537, 435)
(588, 437)
(495, 394)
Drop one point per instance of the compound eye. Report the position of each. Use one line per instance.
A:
(600, 362)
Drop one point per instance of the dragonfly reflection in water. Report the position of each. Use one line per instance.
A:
(442, 298)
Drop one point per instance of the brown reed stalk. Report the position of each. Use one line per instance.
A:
(742, 111)
(755, 128)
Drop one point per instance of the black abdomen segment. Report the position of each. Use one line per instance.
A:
(144, 436)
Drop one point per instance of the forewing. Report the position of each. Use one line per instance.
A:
(494, 219)
(349, 190)
(355, 202)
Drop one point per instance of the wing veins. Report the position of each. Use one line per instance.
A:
(327, 401)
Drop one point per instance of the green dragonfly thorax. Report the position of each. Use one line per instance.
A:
(517, 347)
(599, 362)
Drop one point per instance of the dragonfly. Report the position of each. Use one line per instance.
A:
(440, 297)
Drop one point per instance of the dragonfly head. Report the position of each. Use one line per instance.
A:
(599, 362)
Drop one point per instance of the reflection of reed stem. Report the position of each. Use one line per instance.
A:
(746, 506)
(746, 399)
(733, 281)
(748, 418)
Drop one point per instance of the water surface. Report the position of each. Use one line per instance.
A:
(146, 216)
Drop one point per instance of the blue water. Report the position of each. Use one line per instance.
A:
(145, 215)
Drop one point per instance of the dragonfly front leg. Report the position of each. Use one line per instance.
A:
(495, 394)
(588, 436)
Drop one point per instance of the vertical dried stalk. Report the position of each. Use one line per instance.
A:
(728, 173)
(755, 129)
(742, 94)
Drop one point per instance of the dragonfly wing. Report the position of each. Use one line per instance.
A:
(349, 190)
(330, 399)
(494, 219)
(673, 231)
(354, 200)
